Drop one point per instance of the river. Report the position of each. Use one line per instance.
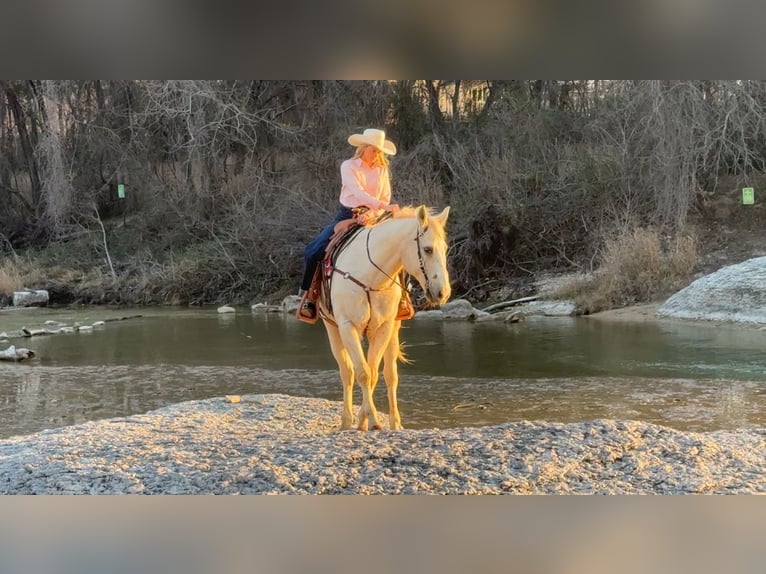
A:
(687, 376)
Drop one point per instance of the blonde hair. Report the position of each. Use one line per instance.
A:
(360, 150)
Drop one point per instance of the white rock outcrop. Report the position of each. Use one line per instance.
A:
(30, 297)
(14, 353)
(733, 293)
(549, 308)
(461, 309)
(290, 304)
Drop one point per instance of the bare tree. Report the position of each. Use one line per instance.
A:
(234, 176)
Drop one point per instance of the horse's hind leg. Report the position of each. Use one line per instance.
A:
(346, 375)
(391, 375)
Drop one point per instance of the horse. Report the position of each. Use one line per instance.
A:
(364, 298)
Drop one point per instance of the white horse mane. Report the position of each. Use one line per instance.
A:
(412, 211)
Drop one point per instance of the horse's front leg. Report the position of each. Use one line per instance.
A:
(346, 375)
(352, 341)
(379, 343)
(391, 375)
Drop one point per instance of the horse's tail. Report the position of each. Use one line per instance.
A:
(401, 356)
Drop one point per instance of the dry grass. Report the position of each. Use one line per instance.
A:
(637, 267)
(10, 278)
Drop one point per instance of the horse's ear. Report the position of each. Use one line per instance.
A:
(422, 216)
(442, 217)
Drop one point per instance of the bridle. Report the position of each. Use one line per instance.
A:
(422, 263)
(345, 274)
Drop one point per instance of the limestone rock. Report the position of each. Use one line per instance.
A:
(265, 308)
(14, 353)
(733, 293)
(549, 308)
(461, 309)
(290, 304)
(429, 314)
(29, 298)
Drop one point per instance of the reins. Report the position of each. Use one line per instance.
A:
(375, 265)
(394, 281)
(325, 310)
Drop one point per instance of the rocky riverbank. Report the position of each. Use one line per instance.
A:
(278, 444)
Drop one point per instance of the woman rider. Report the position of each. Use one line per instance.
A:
(365, 182)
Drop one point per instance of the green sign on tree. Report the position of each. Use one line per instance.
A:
(121, 191)
(748, 196)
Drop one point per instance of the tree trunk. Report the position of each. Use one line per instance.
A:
(26, 145)
(435, 116)
(100, 99)
(456, 104)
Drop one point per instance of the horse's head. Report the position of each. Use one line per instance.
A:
(426, 257)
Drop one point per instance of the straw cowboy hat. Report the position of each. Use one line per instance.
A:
(375, 138)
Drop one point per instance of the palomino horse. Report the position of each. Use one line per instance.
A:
(365, 294)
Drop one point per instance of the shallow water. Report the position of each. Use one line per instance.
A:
(688, 376)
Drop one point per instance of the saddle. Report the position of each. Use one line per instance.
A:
(343, 233)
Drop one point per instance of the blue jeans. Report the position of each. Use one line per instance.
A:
(314, 252)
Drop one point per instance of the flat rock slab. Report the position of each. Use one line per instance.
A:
(733, 293)
(30, 297)
(14, 353)
(288, 445)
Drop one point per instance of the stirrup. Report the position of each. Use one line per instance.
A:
(307, 312)
(309, 309)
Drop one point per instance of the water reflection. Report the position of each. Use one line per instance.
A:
(681, 375)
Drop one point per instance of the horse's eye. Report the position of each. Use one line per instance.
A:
(428, 250)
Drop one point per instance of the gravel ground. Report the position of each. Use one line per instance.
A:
(276, 444)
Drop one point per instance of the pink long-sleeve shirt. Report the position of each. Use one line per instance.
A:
(362, 185)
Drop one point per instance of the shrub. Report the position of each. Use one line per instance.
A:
(10, 278)
(637, 266)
